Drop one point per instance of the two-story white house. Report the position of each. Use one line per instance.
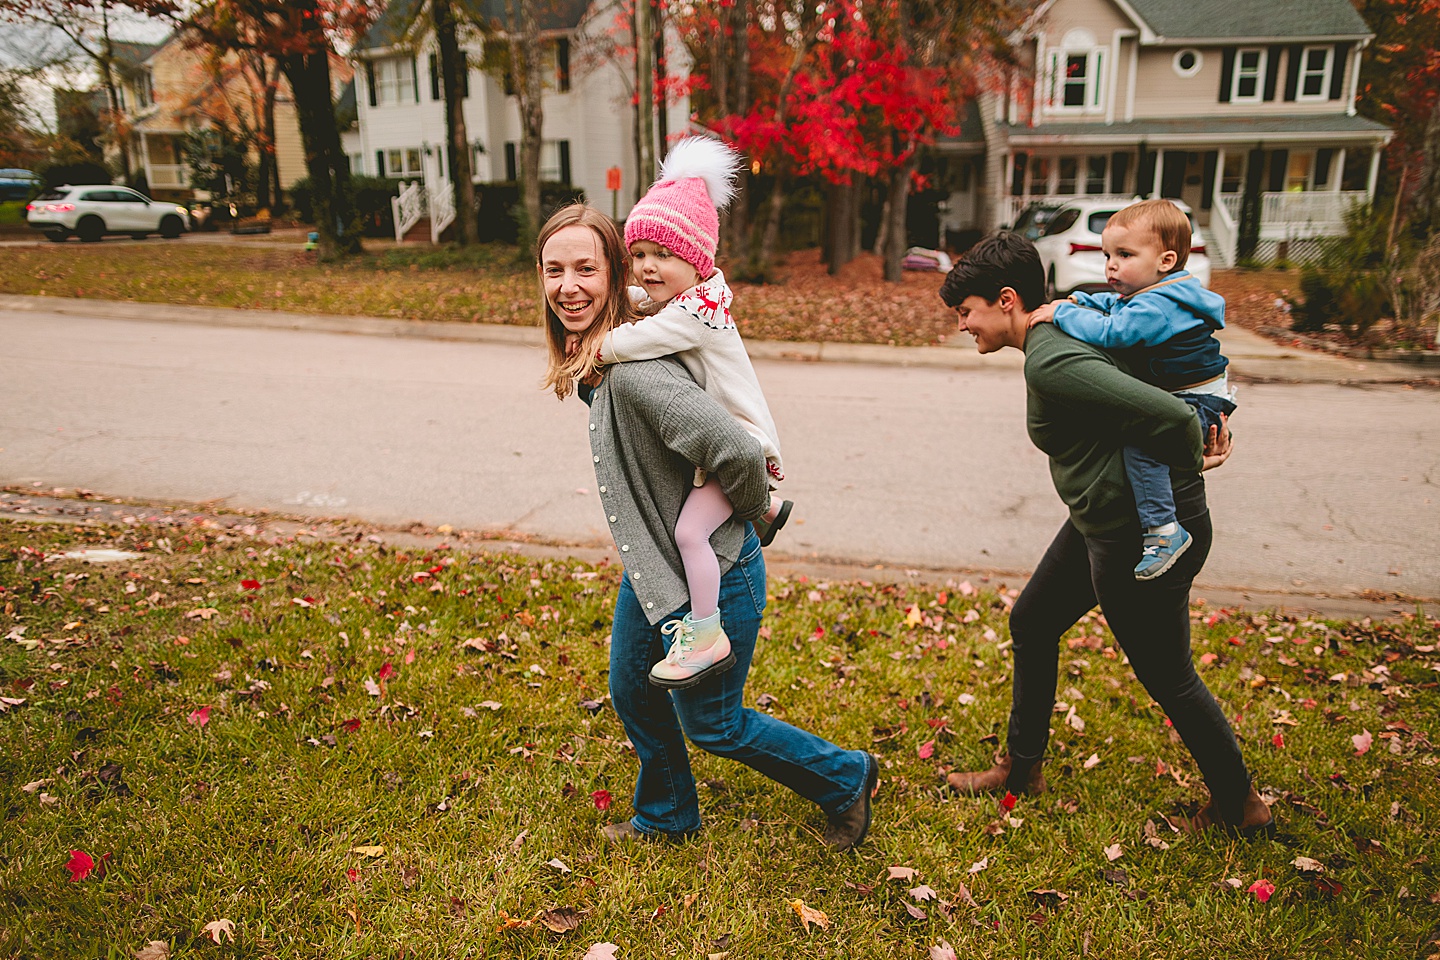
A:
(1199, 100)
(589, 121)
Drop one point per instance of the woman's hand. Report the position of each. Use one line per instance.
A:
(1218, 444)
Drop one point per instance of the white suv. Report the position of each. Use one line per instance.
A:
(90, 212)
(1070, 246)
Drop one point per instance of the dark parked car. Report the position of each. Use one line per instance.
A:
(17, 184)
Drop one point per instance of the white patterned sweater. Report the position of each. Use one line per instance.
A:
(696, 328)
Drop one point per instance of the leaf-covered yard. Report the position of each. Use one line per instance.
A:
(336, 749)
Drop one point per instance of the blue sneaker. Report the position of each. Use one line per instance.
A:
(1161, 551)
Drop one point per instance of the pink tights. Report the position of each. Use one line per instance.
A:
(705, 509)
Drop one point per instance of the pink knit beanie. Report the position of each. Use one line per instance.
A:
(681, 211)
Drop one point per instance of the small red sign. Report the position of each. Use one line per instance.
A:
(612, 178)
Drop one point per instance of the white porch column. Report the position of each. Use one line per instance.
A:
(1374, 174)
(1219, 176)
(1159, 167)
(1337, 170)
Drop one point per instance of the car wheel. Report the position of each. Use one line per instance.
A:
(90, 229)
(171, 227)
(57, 236)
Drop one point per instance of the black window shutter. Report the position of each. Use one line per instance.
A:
(510, 168)
(1279, 161)
(434, 77)
(1017, 179)
(565, 162)
(464, 74)
(1227, 73)
(1323, 158)
(562, 64)
(1295, 57)
(1119, 167)
(1272, 71)
(415, 76)
(370, 80)
(379, 163)
(1145, 173)
(509, 82)
(1207, 187)
(1337, 71)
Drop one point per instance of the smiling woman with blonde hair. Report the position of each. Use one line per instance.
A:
(650, 426)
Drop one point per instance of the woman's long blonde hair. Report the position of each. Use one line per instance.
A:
(562, 372)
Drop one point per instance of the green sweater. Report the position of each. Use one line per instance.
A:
(1083, 409)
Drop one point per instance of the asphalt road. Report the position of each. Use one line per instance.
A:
(1332, 490)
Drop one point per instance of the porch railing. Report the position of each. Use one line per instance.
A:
(166, 175)
(408, 208)
(1299, 215)
(442, 209)
(1224, 233)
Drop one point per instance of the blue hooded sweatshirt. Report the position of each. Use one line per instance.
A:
(1164, 333)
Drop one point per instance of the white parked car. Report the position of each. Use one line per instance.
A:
(91, 212)
(1070, 245)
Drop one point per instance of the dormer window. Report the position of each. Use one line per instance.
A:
(1075, 76)
(1315, 65)
(1245, 83)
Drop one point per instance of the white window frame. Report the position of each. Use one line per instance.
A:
(1094, 81)
(1262, 59)
(394, 81)
(403, 170)
(1323, 74)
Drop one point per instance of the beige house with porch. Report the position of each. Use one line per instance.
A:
(1244, 111)
(173, 89)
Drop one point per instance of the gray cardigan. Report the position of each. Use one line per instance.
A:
(650, 425)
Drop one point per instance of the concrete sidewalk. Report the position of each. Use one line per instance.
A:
(1252, 357)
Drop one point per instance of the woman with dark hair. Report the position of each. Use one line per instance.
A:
(650, 426)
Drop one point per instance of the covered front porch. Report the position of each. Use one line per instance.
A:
(1258, 191)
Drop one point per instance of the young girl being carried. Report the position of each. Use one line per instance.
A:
(672, 234)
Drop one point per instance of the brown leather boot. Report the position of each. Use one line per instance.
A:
(994, 779)
(1256, 819)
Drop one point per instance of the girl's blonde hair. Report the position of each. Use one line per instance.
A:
(562, 372)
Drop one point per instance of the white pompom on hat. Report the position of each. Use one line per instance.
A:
(681, 211)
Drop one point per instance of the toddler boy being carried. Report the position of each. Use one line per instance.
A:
(1162, 323)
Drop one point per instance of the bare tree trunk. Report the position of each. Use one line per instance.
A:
(895, 207)
(734, 100)
(272, 89)
(106, 62)
(309, 76)
(770, 239)
(1425, 211)
(526, 63)
(839, 243)
(452, 63)
(644, 94)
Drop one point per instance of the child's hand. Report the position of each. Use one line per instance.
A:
(1045, 313)
(572, 345)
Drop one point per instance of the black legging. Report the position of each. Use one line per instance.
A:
(1151, 622)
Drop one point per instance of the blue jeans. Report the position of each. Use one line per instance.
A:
(1150, 479)
(711, 714)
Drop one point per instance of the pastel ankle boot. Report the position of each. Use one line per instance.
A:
(700, 649)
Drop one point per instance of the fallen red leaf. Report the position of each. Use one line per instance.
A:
(351, 725)
(1007, 802)
(80, 865)
(1278, 740)
(199, 717)
(386, 671)
(602, 799)
(250, 584)
(352, 875)
(927, 749)
(1262, 890)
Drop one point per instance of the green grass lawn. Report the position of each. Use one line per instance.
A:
(224, 723)
(484, 284)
